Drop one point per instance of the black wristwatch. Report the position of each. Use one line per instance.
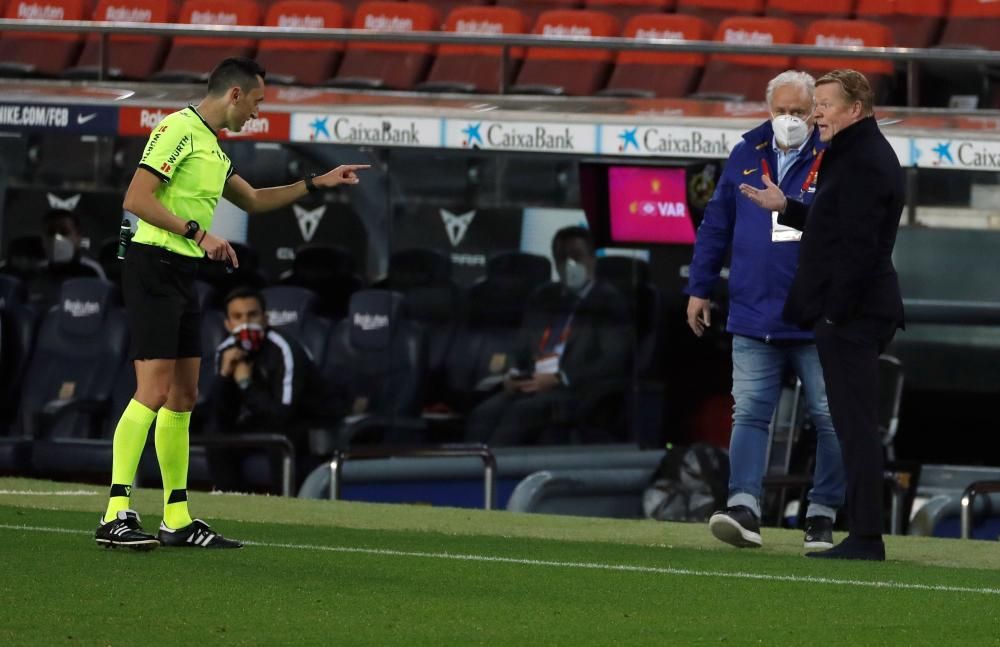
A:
(191, 228)
(310, 185)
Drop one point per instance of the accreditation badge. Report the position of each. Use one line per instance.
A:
(781, 233)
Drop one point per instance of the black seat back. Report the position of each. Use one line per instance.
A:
(292, 310)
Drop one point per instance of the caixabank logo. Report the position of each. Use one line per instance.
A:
(371, 130)
(518, 136)
(668, 141)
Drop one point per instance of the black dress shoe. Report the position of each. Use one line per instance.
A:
(854, 547)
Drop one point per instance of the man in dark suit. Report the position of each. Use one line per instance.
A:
(575, 339)
(846, 287)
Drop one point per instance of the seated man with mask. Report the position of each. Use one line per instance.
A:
(62, 244)
(266, 383)
(572, 339)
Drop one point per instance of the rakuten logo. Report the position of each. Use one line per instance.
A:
(744, 37)
(388, 23)
(478, 27)
(150, 119)
(302, 22)
(281, 317)
(129, 14)
(35, 11)
(368, 322)
(565, 30)
(258, 126)
(77, 308)
(213, 18)
(656, 33)
(838, 41)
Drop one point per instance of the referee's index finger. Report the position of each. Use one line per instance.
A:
(231, 253)
(357, 167)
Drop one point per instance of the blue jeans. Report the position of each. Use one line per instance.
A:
(758, 369)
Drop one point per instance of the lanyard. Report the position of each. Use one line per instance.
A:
(810, 176)
(563, 336)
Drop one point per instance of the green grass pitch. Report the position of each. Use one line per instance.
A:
(319, 572)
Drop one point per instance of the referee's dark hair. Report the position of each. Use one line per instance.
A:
(234, 71)
(243, 292)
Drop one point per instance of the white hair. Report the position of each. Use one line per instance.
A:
(791, 77)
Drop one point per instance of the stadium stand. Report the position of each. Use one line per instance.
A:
(533, 9)
(623, 10)
(563, 71)
(192, 58)
(128, 56)
(914, 23)
(658, 74)
(804, 13)
(970, 24)
(26, 54)
(851, 33)
(330, 272)
(743, 76)
(386, 65)
(292, 311)
(302, 62)
(474, 68)
(715, 11)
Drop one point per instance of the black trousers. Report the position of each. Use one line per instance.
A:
(514, 419)
(849, 355)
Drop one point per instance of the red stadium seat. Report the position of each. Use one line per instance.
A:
(475, 68)
(128, 56)
(387, 65)
(572, 72)
(40, 53)
(715, 11)
(972, 23)
(625, 9)
(850, 33)
(445, 7)
(914, 23)
(969, 24)
(192, 58)
(656, 74)
(804, 13)
(735, 76)
(302, 62)
(532, 9)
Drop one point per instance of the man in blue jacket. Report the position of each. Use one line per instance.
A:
(787, 150)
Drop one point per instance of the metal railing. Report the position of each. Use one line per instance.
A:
(909, 55)
(446, 451)
(969, 497)
(277, 443)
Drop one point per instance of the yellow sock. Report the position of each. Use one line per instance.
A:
(130, 438)
(172, 454)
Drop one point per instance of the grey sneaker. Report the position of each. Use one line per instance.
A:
(819, 532)
(736, 525)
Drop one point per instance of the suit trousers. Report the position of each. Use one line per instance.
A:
(849, 354)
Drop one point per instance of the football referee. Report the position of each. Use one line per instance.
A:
(181, 175)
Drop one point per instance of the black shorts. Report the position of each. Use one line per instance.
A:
(161, 303)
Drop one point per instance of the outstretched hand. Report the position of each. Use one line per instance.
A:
(771, 197)
(345, 174)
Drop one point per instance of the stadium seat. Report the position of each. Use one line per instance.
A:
(715, 11)
(631, 277)
(845, 33)
(377, 357)
(472, 68)
(970, 24)
(745, 76)
(445, 7)
(386, 65)
(192, 58)
(292, 311)
(302, 62)
(658, 74)
(331, 272)
(532, 9)
(17, 332)
(563, 71)
(914, 23)
(482, 350)
(128, 56)
(27, 53)
(805, 13)
(623, 10)
(223, 281)
(80, 351)
(433, 300)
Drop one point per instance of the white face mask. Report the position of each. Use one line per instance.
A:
(62, 250)
(574, 275)
(789, 131)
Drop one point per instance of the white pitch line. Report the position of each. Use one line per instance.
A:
(626, 568)
(49, 492)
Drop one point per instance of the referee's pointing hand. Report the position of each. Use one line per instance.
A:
(345, 174)
(218, 249)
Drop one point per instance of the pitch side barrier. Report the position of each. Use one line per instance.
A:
(911, 56)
